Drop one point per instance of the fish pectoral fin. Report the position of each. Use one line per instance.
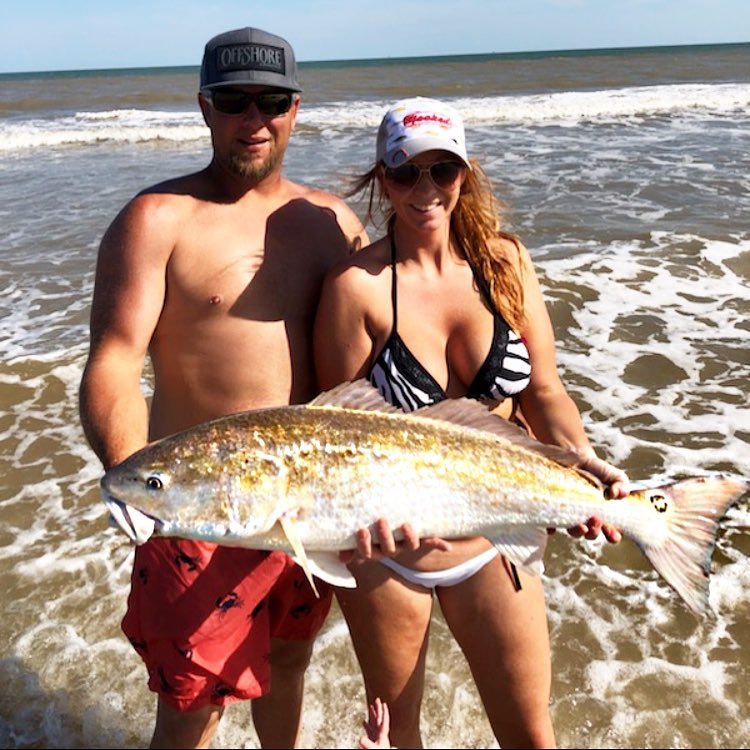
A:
(288, 524)
(328, 567)
(524, 547)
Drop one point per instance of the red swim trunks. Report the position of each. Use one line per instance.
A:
(201, 616)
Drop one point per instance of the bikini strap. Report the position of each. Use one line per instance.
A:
(394, 299)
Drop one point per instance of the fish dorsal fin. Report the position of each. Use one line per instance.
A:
(359, 394)
(464, 412)
(475, 415)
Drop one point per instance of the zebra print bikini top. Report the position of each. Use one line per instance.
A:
(404, 382)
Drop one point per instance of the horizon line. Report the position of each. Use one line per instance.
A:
(407, 58)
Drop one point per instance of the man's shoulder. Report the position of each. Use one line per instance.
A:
(174, 197)
(187, 187)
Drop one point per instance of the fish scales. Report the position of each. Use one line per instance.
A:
(413, 474)
(305, 478)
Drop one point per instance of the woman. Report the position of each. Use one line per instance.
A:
(447, 305)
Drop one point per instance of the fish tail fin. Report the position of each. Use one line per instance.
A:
(682, 556)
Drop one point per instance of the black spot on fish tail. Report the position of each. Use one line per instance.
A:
(659, 502)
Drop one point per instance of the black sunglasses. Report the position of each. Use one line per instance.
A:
(234, 102)
(444, 174)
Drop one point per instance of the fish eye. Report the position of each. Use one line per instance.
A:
(154, 482)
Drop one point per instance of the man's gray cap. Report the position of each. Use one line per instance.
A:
(249, 57)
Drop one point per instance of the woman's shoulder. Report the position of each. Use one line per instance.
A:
(508, 243)
(367, 264)
(509, 247)
(359, 284)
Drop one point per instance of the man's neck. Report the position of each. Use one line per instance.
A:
(235, 187)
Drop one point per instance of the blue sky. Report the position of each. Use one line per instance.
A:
(40, 35)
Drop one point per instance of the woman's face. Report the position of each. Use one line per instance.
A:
(425, 190)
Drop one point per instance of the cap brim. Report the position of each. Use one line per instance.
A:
(415, 146)
(235, 84)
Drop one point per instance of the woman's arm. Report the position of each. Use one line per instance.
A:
(547, 406)
(343, 347)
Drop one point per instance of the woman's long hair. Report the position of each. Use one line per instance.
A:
(475, 227)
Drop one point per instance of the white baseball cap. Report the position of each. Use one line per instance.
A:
(412, 126)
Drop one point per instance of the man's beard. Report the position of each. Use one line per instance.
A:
(254, 170)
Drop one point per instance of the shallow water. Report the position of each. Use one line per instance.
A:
(626, 176)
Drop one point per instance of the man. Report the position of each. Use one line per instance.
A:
(215, 275)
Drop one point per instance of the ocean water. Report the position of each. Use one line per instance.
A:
(625, 172)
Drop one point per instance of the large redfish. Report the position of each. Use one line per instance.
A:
(304, 478)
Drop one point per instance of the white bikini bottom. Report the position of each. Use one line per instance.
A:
(448, 577)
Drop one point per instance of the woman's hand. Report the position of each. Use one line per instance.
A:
(617, 485)
(592, 528)
(614, 479)
(384, 544)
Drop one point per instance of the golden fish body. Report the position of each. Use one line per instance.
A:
(305, 478)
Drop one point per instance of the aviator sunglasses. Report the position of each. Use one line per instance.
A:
(443, 174)
(235, 102)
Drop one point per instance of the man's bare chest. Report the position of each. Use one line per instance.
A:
(245, 280)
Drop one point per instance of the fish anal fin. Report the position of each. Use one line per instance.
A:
(524, 547)
(328, 567)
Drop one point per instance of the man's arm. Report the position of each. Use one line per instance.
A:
(128, 297)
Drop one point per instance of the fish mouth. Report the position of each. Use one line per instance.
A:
(139, 526)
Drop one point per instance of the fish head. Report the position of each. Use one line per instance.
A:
(196, 486)
(138, 498)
